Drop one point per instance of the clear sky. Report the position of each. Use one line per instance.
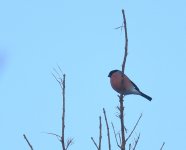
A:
(79, 36)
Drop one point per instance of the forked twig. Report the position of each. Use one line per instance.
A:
(98, 146)
(69, 142)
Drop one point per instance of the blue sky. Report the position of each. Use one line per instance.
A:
(80, 37)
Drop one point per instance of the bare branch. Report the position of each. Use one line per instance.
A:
(121, 100)
(126, 41)
(63, 114)
(162, 146)
(61, 81)
(115, 136)
(136, 142)
(134, 128)
(100, 135)
(108, 132)
(28, 142)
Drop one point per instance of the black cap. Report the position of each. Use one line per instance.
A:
(113, 71)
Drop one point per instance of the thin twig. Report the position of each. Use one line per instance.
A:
(59, 69)
(119, 27)
(57, 136)
(115, 135)
(59, 76)
(108, 132)
(94, 143)
(28, 142)
(57, 79)
(162, 146)
(134, 128)
(136, 142)
(53, 134)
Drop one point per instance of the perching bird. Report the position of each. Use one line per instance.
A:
(123, 85)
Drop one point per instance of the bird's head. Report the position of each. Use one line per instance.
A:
(113, 71)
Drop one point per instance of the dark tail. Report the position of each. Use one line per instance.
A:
(145, 96)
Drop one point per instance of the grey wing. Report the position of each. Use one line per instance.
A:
(135, 86)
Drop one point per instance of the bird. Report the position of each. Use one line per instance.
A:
(123, 85)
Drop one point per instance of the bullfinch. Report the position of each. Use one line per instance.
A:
(123, 85)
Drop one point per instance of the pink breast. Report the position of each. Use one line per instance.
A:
(119, 83)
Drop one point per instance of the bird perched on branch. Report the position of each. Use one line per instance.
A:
(123, 85)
